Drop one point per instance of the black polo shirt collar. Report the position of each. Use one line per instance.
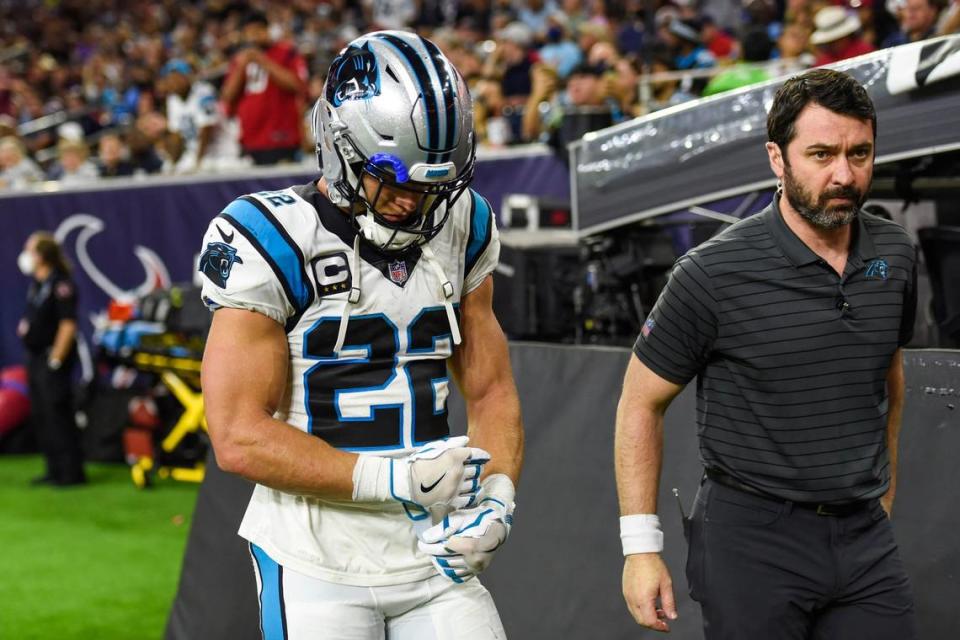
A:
(800, 254)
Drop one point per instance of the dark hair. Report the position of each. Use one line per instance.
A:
(833, 90)
(587, 69)
(660, 53)
(757, 45)
(254, 17)
(50, 252)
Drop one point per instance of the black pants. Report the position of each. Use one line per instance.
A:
(51, 402)
(762, 569)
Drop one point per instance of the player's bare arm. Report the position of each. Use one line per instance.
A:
(233, 85)
(243, 388)
(244, 376)
(285, 78)
(895, 392)
(638, 456)
(463, 544)
(481, 368)
(63, 340)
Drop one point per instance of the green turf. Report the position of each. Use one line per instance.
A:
(97, 561)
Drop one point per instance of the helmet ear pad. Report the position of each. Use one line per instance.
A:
(394, 108)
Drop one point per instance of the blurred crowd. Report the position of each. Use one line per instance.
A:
(103, 88)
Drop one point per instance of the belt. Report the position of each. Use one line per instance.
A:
(821, 508)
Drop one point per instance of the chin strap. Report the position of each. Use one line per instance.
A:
(447, 289)
(352, 299)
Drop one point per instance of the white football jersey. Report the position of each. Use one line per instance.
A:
(189, 116)
(289, 255)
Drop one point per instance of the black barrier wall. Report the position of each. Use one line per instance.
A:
(558, 577)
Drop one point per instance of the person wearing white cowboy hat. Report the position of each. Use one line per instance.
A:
(837, 36)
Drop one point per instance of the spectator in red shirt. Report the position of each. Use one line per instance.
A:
(718, 41)
(265, 88)
(837, 36)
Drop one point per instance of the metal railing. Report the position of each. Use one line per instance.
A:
(685, 79)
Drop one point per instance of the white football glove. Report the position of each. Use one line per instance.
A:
(440, 475)
(462, 545)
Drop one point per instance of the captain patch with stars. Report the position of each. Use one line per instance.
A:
(332, 274)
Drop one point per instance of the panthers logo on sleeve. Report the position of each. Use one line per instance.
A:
(217, 262)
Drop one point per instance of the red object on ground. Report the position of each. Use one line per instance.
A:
(14, 408)
(143, 412)
(137, 443)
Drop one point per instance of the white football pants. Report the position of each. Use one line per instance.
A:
(297, 607)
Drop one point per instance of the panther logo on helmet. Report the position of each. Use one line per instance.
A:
(353, 76)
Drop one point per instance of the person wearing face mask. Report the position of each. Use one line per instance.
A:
(48, 330)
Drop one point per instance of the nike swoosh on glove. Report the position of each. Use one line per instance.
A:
(443, 474)
(463, 544)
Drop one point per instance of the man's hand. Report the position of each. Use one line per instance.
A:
(443, 474)
(462, 545)
(886, 501)
(544, 81)
(248, 55)
(645, 579)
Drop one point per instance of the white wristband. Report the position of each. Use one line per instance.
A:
(640, 533)
(371, 479)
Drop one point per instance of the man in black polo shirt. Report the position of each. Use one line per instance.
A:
(793, 321)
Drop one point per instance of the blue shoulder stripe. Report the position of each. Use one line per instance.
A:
(271, 240)
(273, 622)
(480, 229)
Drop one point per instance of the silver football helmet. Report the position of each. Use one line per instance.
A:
(394, 108)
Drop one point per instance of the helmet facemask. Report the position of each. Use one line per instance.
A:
(434, 200)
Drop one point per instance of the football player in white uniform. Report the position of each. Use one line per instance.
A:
(195, 116)
(341, 307)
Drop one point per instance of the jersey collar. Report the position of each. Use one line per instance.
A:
(800, 254)
(333, 219)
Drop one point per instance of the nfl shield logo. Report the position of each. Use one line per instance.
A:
(398, 271)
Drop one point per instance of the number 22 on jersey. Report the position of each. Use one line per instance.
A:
(387, 389)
